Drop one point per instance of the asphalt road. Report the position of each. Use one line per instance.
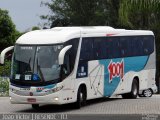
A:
(100, 107)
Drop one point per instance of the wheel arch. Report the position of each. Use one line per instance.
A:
(84, 87)
(137, 79)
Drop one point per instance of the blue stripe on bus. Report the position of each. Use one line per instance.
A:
(130, 64)
(45, 87)
(20, 86)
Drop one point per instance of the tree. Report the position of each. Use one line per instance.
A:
(35, 28)
(8, 35)
(142, 14)
(5, 70)
(8, 32)
(82, 12)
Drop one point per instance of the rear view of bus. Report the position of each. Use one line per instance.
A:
(74, 64)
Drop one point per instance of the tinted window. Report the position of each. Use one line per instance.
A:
(137, 46)
(113, 46)
(72, 52)
(124, 46)
(148, 44)
(128, 46)
(86, 49)
(99, 48)
(116, 47)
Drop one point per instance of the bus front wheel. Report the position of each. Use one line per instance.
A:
(35, 106)
(81, 98)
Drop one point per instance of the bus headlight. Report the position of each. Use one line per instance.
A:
(13, 90)
(56, 98)
(57, 89)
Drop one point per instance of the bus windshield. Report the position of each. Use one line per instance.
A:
(36, 63)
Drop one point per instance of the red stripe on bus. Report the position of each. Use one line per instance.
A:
(110, 34)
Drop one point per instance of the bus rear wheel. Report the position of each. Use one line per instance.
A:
(81, 98)
(134, 91)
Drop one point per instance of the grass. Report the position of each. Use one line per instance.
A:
(4, 86)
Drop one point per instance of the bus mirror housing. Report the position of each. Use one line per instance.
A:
(3, 53)
(62, 54)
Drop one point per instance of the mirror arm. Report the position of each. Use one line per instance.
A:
(3, 53)
(62, 54)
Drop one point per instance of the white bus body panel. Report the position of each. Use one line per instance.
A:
(95, 82)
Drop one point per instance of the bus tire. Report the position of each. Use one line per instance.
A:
(134, 91)
(81, 98)
(35, 106)
(125, 96)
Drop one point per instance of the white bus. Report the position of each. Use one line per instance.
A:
(74, 64)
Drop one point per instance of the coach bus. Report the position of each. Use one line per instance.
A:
(74, 64)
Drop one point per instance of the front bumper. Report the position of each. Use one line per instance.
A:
(47, 99)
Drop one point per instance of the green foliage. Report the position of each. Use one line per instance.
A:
(5, 69)
(4, 86)
(82, 12)
(4, 80)
(35, 28)
(8, 33)
(141, 14)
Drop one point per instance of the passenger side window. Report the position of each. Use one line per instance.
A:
(96, 48)
(86, 49)
(71, 54)
(99, 46)
(125, 46)
(148, 44)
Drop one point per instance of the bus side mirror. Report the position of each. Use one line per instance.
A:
(3, 53)
(62, 54)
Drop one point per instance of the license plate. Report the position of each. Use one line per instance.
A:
(28, 77)
(33, 100)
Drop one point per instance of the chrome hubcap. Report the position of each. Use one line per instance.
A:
(147, 93)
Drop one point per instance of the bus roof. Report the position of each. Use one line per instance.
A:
(63, 34)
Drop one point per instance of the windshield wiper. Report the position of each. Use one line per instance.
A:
(29, 62)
